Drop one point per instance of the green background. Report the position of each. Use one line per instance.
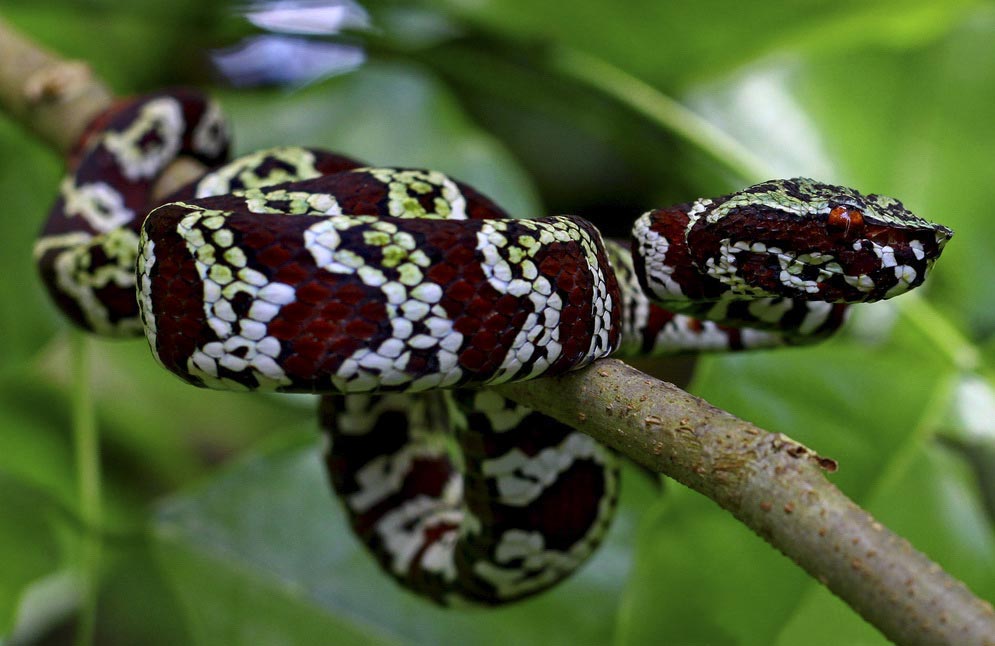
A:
(220, 526)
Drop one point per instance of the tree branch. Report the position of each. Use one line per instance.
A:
(777, 488)
(771, 483)
(53, 97)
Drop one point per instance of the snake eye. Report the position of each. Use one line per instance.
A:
(842, 218)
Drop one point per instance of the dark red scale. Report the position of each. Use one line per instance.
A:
(334, 309)
(486, 340)
(550, 265)
(371, 311)
(282, 329)
(303, 361)
(507, 305)
(461, 256)
(460, 291)
(337, 342)
(274, 256)
(418, 365)
(479, 307)
(296, 312)
(349, 294)
(291, 273)
(442, 273)
(312, 292)
(466, 325)
(361, 329)
(509, 334)
(259, 238)
(493, 324)
(473, 359)
(308, 346)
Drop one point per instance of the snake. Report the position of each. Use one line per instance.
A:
(399, 295)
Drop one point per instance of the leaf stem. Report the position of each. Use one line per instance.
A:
(930, 422)
(943, 335)
(87, 451)
(723, 148)
(662, 110)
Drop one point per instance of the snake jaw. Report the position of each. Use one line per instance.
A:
(808, 240)
(865, 270)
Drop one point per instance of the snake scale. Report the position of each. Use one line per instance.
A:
(399, 294)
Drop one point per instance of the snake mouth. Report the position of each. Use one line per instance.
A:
(933, 238)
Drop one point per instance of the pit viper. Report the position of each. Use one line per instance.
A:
(400, 294)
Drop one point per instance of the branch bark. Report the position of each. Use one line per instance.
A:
(775, 486)
(53, 97)
(771, 483)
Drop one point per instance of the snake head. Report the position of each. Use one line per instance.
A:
(808, 240)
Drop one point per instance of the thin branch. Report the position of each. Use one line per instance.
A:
(777, 488)
(53, 97)
(56, 99)
(771, 483)
(86, 441)
(662, 110)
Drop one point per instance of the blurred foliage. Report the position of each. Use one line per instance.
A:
(892, 97)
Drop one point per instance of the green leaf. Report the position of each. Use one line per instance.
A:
(129, 44)
(29, 176)
(389, 115)
(909, 126)
(969, 431)
(703, 578)
(673, 44)
(263, 549)
(34, 445)
(28, 543)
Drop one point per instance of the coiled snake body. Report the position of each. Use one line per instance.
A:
(384, 289)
